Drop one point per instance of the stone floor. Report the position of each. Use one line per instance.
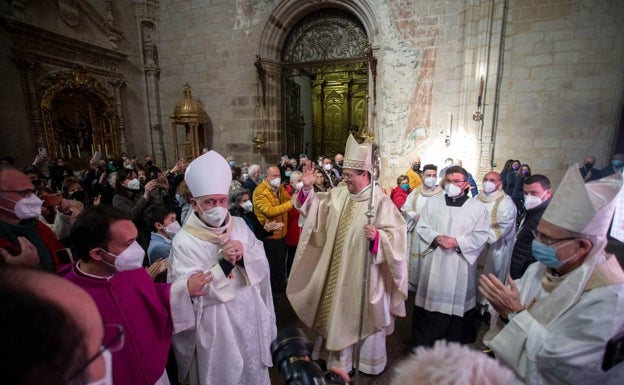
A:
(397, 344)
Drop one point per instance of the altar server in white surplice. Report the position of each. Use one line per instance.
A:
(235, 321)
(554, 324)
(411, 212)
(496, 256)
(455, 228)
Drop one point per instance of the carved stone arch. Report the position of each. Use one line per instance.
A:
(78, 116)
(288, 13)
(281, 21)
(327, 34)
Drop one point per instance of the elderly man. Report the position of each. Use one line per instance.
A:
(24, 240)
(271, 203)
(253, 178)
(414, 174)
(235, 321)
(455, 228)
(325, 283)
(588, 172)
(496, 256)
(555, 322)
(338, 163)
(411, 212)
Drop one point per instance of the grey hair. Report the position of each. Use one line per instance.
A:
(236, 195)
(451, 364)
(254, 168)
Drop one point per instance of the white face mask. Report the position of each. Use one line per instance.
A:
(27, 208)
(299, 185)
(531, 201)
(134, 184)
(327, 167)
(129, 259)
(430, 181)
(172, 229)
(247, 206)
(489, 187)
(452, 191)
(215, 216)
(276, 182)
(108, 376)
(244, 177)
(448, 164)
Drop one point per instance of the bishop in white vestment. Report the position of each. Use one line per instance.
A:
(555, 323)
(234, 323)
(325, 283)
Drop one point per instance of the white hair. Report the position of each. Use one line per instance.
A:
(254, 168)
(451, 364)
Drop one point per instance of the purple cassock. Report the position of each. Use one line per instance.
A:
(131, 299)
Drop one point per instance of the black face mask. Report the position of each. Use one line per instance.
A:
(416, 166)
(340, 162)
(149, 163)
(589, 166)
(79, 195)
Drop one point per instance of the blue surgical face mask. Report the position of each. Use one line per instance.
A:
(232, 163)
(287, 173)
(405, 186)
(547, 255)
(616, 163)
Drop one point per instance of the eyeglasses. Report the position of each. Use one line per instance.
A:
(23, 193)
(114, 344)
(545, 239)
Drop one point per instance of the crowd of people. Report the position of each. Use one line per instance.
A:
(182, 266)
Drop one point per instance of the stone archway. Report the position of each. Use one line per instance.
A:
(282, 20)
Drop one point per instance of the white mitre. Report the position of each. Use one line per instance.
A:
(208, 174)
(357, 156)
(585, 208)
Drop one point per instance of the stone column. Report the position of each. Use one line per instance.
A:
(273, 107)
(117, 83)
(27, 67)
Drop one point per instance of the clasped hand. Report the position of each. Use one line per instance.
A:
(446, 242)
(232, 251)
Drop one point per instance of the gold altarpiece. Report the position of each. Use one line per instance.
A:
(78, 116)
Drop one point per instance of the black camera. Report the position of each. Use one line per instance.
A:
(291, 355)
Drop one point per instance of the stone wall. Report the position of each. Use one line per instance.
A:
(555, 96)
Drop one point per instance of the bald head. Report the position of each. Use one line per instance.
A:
(492, 176)
(39, 306)
(14, 186)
